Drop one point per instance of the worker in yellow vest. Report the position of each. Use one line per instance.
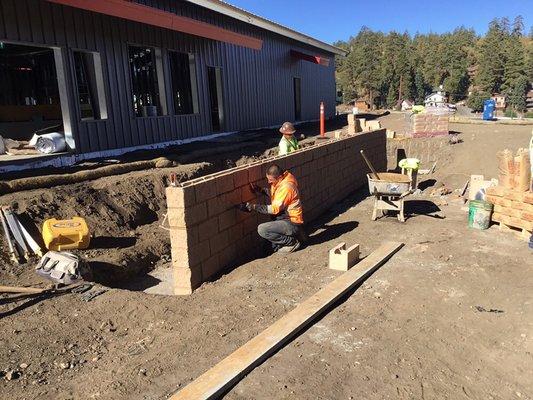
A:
(286, 231)
(288, 142)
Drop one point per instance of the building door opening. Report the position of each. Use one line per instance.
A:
(29, 95)
(297, 100)
(214, 78)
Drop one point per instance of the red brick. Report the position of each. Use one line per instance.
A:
(180, 197)
(205, 190)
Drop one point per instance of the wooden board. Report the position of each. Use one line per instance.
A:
(226, 373)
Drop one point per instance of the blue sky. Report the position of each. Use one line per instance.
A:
(332, 20)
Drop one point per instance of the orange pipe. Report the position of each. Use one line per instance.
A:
(322, 120)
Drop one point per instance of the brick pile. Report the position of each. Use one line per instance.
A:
(207, 233)
(513, 210)
(356, 125)
(429, 125)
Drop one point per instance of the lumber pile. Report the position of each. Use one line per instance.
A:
(513, 210)
(356, 125)
(429, 125)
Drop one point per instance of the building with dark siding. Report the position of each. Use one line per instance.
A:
(119, 75)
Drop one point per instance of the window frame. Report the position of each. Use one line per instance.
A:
(101, 93)
(160, 75)
(193, 76)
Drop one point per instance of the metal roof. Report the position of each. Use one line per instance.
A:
(238, 13)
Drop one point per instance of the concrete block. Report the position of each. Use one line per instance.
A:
(231, 199)
(224, 183)
(184, 237)
(185, 280)
(341, 258)
(228, 256)
(219, 242)
(205, 190)
(254, 173)
(196, 214)
(208, 229)
(240, 178)
(215, 206)
(185, 257)
(180, 197)
(227, 219)
(236, 233)
(176, 217)
(210, 267)
(246, 194)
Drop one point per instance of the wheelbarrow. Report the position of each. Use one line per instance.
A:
(389, 190)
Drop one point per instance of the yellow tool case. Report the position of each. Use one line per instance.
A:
(66, 234)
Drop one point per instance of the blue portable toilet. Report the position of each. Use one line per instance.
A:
(488, 109)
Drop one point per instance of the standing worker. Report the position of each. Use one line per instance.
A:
(286, 230)
(288, 142)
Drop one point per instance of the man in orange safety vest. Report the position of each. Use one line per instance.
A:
(285, 232)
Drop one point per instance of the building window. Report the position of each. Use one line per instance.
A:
(183, 74)
(145, 86)
(29, 90)
(90, 84)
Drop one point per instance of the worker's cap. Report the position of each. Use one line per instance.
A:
(287, 128)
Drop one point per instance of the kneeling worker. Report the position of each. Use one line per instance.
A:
(286, 230)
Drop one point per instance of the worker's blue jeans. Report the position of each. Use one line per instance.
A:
(280, 233)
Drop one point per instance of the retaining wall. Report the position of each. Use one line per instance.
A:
(208, 234)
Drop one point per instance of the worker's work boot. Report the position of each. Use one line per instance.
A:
(290, 249)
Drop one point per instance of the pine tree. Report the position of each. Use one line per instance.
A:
(517, 94)
(491, 58)
(514, 67)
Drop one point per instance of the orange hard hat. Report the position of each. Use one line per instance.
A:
(287, 128)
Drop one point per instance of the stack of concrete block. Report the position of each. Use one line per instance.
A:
(513, 210)
(429, 125)
(208, 234)
(356, 125)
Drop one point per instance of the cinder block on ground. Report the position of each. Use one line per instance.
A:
(341, 258)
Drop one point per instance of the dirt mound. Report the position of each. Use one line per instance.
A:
(123, 213)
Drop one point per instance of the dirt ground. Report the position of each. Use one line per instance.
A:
(448, 317)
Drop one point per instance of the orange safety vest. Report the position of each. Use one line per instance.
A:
(284, 197)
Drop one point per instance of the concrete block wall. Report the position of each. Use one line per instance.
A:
(428, 125)
(427, 150)
(208, 234)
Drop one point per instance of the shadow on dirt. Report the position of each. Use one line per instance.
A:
(109, 242)
(415, 208)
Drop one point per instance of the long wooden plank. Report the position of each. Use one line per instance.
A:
(226, 373)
